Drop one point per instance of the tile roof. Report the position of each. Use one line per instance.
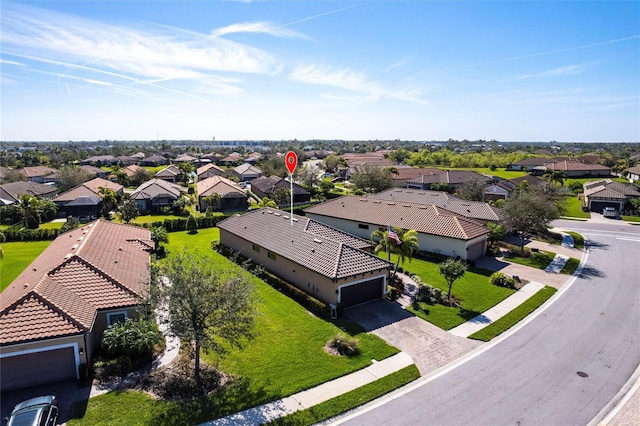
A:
(247, 168)
(575, 166)
(212, 168)
(635, 170)
(450, 177)
(412, 173)
(219, 185)
(170, 171)
(607, 188)
(424, 218)
(88, 189)
(33, 171)
(267, 184)
(101, 265)
(471, 209)
(18, 189)
(323, 252)
(156, 188)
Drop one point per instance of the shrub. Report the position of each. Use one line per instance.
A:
(344, 344)
(502, 280)
(131, 338)
(192, 225)
(106, 368)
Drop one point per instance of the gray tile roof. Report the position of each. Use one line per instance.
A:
(607, 188)
(311, 245)
(268, 184)
(17, 189)
(155, 188)
(424, 218)
(450, 177)
(472, 209)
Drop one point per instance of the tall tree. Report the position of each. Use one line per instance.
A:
(70, 176)
(109, 200)
(128, 211)
(472, 191)
(372, 179)
(452, 269)
(159, 235)
(404, 244)
(203, 306)
(530, 211)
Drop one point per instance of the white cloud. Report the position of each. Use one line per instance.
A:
(353, 81)
(568, 70)
(258, 28)
(129, 55)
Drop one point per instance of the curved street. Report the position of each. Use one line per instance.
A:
(563, 367)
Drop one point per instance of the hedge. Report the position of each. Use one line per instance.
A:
(180, 224)
(31, 234)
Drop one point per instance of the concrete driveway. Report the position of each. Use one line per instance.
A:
(66, 392)
(429, 346)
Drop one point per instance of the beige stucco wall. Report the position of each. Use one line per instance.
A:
(311, 282)
(427, 242)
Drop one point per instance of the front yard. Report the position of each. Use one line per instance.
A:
(474, 291)
(286, 357)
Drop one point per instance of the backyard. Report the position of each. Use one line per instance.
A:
(17, 256)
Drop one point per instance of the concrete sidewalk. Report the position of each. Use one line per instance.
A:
(324, 392)
(498, 311)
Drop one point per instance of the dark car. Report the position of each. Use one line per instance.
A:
(40, 411)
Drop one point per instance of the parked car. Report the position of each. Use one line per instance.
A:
(39, 411)
(610, 212)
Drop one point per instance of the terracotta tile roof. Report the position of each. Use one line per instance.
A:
(247, 168)
(98, 266)
(88, 189)
(471, 209)
(424, 218)
(635, 170)
(272, 230)
(412, 173)
(34, 171)
(575, 166)
(219, 185)
(132, 169)
(211, 168)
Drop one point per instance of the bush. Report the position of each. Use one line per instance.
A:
(502, 280)
(107, 368)
(31, 234)
(131, 338)
(344, 344)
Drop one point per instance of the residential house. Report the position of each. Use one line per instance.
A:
(439, 230)
(322, 261)
(579, 169)
(209, 170)
(246, 172)
(533, 162)
(154, 161)
(253, 158)
(152, 195)
(85, 201)
(170, 173)
(53, 315)
(185, 158)
(265, 186)
(608, 193)
(471, 209)
(97, 160)
(39, 174)
(124, 160)
(94, 171)
(131, 170)
(633, 174)
(405, 173)
(501, 190)
(232, 159)
(231, 196)
(12, 192)
(454, 179)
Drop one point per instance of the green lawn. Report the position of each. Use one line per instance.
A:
(286, 357)
(539, 260)
(578, 240)
(17, 256)
(635, 219)
(51, 225)
(570, 267)
(499, 172)
(574, 208)
(510, 319)
(474, 291)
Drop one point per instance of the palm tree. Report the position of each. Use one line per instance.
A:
(212, 200)
(109, 200)
(29, 207)
(554, 176)
(267, 202)
(405, 249)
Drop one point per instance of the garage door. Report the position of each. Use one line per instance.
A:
(35, 368)
(362, 292)
(474, 251)
(598, 206)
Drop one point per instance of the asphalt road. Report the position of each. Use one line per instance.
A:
(562, 368)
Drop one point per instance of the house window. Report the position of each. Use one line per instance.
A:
(363, 226)
(116, 317)
(256, 248)
(271, 255)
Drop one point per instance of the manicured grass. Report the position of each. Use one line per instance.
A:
(635, 219)
(51, 225)
(574, 208)
(499, 172)
(578, 239)
(570, 267)
(115, 408)
(349, 400)
(17, 256)
(286, 356)
(538, 260)
(473, 290)
(510, 319)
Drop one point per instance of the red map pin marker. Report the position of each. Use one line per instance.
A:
(291, 160)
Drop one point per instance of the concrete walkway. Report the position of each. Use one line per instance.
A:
(498, 311)
(326, 391)
(557, 264)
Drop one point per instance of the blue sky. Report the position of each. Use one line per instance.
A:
(279, 70)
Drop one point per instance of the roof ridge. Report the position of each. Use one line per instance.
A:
(49, 304)
(338, 257)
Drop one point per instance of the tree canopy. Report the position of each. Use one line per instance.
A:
(452, 269)
(372, 179)
(204, 307)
